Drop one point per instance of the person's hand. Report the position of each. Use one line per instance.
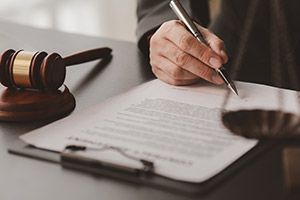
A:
(178, 58)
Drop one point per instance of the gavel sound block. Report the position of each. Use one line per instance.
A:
(34, 83)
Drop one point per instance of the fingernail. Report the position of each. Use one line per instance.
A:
(217, 79)
(223, 54)
(215, 62)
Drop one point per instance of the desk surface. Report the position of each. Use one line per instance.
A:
(24, 178)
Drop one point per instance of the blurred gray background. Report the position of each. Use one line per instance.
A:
(107, 18)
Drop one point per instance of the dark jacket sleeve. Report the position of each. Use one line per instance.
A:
(152, 13)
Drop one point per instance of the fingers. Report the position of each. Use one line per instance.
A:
(169, 72)
(215, 43)
(160, 74)
(189, 44)
(178, 58)
(180, 65)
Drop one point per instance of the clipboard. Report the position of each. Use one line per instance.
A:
(152, 180)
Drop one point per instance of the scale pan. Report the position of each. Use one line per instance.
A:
(262, 124)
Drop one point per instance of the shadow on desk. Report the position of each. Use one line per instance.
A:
(81, 85)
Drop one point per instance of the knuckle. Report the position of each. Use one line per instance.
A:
(154, 54)
(216, 41)
(186, 42)
(154, 40)
(219, 43)
(182, 58)
(154, 70)
(175, 82)
(203, 72)
(152, 57)
(153, 60)
(163, 28)
(154, 63)
(171, 23)
(176, 72)
(204, 55)
(167, 27)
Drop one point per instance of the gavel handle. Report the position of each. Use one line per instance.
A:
(86, 56)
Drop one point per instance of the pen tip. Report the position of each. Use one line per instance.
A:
(236, 92)
(233, 89)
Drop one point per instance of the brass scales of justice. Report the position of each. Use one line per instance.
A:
(276, 125)
(260, 123)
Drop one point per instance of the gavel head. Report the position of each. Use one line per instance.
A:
(36, 70)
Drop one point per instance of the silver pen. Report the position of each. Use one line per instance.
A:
(184, 17)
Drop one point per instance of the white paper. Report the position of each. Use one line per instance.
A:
(178, 128)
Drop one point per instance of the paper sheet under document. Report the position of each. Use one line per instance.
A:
(178, 128)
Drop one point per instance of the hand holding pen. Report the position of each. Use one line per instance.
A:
(185, 19)
(178, 58)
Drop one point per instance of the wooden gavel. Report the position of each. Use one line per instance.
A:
(38, 70)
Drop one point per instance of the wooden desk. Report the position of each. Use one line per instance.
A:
(30, 179)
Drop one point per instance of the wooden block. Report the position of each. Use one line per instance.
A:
(34, 105)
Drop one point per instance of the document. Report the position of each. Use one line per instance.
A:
(179, 129)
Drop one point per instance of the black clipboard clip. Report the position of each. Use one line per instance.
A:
(69, 159)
